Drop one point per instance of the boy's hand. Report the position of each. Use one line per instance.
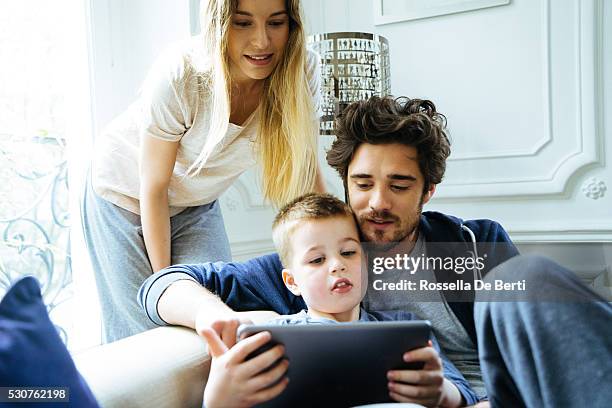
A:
(427, 386)
(225, 327)
(225, 323)
(234, 382)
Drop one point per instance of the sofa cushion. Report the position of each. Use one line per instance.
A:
(31, 351)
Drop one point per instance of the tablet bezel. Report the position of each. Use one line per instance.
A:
(328, 367)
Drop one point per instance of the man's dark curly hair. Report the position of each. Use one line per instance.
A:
(411, 122)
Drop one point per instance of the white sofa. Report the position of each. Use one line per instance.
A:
(163, 367)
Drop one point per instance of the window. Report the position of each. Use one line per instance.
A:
(44, 122)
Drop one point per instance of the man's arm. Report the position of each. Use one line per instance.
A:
(187, 303)
(175, 295)
(452, 374)
(426, 386)
(184, 299)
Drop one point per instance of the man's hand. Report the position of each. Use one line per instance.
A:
(427, 386)
(234, 382)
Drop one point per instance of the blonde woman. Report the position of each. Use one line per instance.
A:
(245, 92)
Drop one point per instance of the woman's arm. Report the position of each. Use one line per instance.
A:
(157, 158)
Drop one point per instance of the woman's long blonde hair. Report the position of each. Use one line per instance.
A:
(287, 134)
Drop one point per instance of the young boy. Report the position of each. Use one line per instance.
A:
(317, 239)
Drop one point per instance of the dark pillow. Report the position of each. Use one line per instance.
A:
(31, 351)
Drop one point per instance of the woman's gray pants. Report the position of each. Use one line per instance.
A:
(119, 259)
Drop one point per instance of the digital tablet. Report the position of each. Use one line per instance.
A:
(341, 365)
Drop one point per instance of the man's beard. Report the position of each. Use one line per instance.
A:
(400, 232)
(409, 229)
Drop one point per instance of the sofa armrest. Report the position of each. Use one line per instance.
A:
(162, 367)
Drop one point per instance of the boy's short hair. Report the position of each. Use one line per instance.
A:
(309, 206)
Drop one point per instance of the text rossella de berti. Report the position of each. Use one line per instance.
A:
(413, 265)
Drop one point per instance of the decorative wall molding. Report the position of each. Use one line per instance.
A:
(574, 138)
(532, 150)
(230, 203)
(240, 195)
(594, 188)
(540, 142)
(566, 230)
(530, 181)
(416, 10)
(560, 236)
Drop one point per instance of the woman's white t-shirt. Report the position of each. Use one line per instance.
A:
(175, 106)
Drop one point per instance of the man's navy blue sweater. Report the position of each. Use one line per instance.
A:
(257, 284)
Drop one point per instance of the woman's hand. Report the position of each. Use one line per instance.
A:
(234, 382)
(427, 386)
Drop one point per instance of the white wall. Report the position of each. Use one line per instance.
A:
(526, 88)
(127, 37)
(521, 86)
